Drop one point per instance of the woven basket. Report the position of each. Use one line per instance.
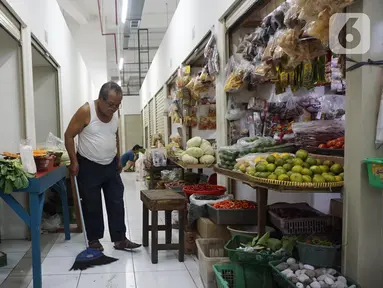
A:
(298, 184)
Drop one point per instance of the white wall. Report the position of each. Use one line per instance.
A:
(191, 15)
(45, 99)
(131, 105)
(44, 18)
(12, 128)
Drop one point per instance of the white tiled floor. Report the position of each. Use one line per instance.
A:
(133, 270)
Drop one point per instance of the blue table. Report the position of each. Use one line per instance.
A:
(55, 178)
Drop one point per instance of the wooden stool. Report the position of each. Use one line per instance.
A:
(168, 201)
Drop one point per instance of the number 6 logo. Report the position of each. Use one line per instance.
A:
(350, 33)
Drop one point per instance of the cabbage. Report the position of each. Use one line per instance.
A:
(208, 150)
(205, 144)
(194, 142)
(194, 152)
(207, 159)
(187, 159)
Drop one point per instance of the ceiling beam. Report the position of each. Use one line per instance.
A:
(73, 9)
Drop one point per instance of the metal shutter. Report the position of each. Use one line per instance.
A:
(160, 109)
(9, 22)
(146, 125)
(152, 118)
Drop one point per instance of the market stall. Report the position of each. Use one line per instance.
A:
(17, 178)
(284, 94)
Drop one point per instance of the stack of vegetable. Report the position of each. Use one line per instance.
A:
(266, 244)
(12, 176)
(234, 204)
(333, 144)
(198, 151)
(304, 275)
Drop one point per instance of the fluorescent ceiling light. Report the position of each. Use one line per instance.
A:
(124, 12)
(121, 64)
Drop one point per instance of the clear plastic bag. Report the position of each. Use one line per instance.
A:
(26, 154)
(234, 75)
(234, 111)
(379, 125)
(159, 157)
(53, 143)
(292, 18)
(332, 106)
(316, 132)
(139, 167)
(211, 54)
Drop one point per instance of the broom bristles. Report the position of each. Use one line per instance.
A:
(90, 258)
(83, 265)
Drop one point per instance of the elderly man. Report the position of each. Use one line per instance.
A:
(97, 166)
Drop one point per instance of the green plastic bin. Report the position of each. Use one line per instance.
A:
(243, 276)
(242, 257)
(375, 171)
(316, 255)
(283, 282)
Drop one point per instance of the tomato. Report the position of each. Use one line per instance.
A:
(331, 143)
(323, 146)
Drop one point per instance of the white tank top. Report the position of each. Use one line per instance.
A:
(97, 141)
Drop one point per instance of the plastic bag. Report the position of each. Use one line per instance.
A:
(211, 54)
(332, 106)
(316, 132)
(234, 75)
(292, 18)
(53, 143)
(159, 157)
(234, 111)
(201, 200)
(26, 154)
(379, 125)
(320, 27)
(139, 167)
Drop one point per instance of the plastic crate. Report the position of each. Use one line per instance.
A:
(375, 171)
(321, 223)
(243, 276)
(210, 252)
(283, 282)
(229, 276)
(233, 216)
(253, 258)
(321, 256)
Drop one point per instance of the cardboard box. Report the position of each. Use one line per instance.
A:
(208, 229)
(336, 208)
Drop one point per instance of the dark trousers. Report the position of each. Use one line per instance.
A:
(92, 178)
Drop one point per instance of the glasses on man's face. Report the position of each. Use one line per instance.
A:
(113, 105)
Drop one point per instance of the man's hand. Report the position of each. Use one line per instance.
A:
(73, 168)
(119, 166)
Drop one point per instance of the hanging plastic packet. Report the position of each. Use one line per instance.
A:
(26, 154)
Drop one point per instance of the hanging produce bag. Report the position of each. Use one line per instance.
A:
(379, 125)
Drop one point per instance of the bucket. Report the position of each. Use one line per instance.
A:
(375, 171)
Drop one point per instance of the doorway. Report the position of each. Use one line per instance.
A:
(46, 96)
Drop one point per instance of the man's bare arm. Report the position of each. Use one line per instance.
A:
(76, 125)
(118, 139)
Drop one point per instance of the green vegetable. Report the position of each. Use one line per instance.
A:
(263, 240)
(274, 244)
(12, 176)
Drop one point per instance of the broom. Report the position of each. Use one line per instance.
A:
(89, 257)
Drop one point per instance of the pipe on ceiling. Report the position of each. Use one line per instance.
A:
(102, 28)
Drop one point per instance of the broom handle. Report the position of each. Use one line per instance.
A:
(82, 216)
